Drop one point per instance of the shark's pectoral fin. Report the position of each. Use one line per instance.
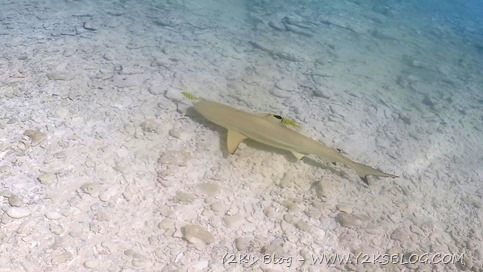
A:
(233, 139)
(298, 155)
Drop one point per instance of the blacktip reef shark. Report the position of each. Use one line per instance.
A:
(267, 129)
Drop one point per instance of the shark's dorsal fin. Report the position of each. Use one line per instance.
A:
(279, 119)
(233, 139)
(268, 116)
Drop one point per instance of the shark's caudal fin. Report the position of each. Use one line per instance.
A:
(363, 171)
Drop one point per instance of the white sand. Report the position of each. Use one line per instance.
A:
(103, 166)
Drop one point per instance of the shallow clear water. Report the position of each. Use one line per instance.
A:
(104, 165)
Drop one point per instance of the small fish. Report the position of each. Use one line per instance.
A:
(190, 96)
(286, 121)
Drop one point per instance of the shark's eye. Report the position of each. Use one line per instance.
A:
(278, 117)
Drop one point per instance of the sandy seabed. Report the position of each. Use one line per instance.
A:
(105, 167)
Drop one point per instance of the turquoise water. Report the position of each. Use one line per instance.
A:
(104, 165)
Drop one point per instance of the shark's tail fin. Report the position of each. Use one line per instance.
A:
(363, 171)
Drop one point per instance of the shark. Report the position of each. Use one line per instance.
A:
(267, 129)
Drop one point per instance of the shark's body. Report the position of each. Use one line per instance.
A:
(242, 125)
